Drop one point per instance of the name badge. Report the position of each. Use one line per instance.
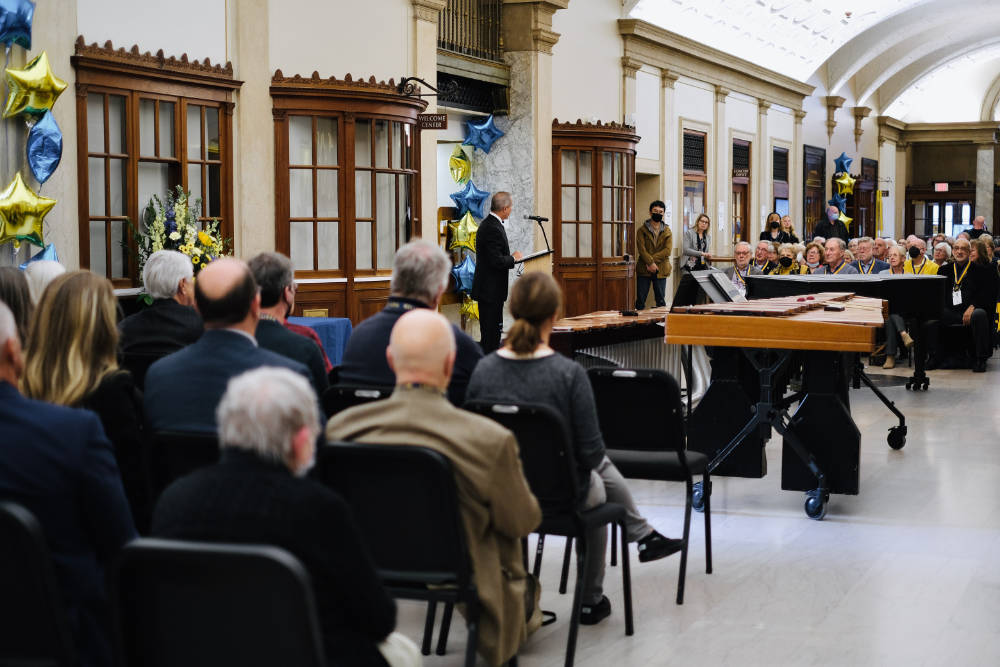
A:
(956, 297)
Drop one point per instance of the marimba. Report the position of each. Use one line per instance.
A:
(821, 452)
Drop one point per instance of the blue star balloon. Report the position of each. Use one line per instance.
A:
(482, 135)
(16, 17)
(843, 163)
(464, 273)
(838, 200)
(48, 252)
(45, 144)
(472, 199)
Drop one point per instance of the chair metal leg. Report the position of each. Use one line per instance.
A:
(706, 484)
(539, 547)
(626, 583)
(472, 624)
(614, 543)
(684, 548)
(425, 647)
(442, 646)
(524, 552)
(565, 566)
(582, 562)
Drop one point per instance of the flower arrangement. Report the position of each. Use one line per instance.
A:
(174, 225)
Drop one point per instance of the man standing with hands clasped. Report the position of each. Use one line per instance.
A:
(653, 241)
(493, 261)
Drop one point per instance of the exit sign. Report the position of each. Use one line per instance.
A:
(940, 187)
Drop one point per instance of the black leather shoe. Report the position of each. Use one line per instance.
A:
(592, 614)
(655, 546)
(979, 366)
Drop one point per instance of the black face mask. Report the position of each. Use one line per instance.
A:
(914, 252)
(774, 224)
(656, 217)
(785, 261)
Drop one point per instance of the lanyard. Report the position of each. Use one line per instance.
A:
(958, 280)
(736, 272)
(870, 267)
(839, 268)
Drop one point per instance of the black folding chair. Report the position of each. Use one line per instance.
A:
(342, 396)
(406, 504)
(552, 473)
(177, 453)
(34, 629)
(626, 401)
(137, 363)
(196, 604)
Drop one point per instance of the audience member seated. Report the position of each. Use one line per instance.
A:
(942, 253)
(865, 262)
(275, 278)
(831, 226)
(741, 267)
(420, 273)
(814, 256)
(170, 322)
(71, 360)
(834, 257)
(56, 462)
(897, 262)
(527, 370)
(880, 249)
(256, 494)
(972, 301)
(773, 230)
(917, 262)
(15, 293)
(311, 334)
(39, 274)
(497, 506)
(183, 389)
(761, 255)
(978, 228)
(786, 264)
(895, 326)
(852, 246)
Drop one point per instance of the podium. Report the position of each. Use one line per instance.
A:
(536, 261)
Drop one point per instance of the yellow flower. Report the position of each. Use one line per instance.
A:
(205, 238)
(195, 259)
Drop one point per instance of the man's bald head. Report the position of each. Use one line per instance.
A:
(226, 294)
(422, 348)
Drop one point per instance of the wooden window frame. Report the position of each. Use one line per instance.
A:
(135, 76)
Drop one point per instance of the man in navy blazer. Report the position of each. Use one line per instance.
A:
(57, 463)
(493, 261)
(183, 389)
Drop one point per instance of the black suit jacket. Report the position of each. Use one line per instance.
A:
(57, 463)
(245, 499)
(164, 327)
(979, 286)
(828, 229)
(493, 261)
(272, 335)
(364, 359)
(184, 388)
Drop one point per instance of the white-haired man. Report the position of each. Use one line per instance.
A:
(170, 323)
(420, 273)
(834, 255)
(256, 494)
(741, 267)
(866, 263)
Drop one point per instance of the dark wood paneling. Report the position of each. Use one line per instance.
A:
(614, 292)
(368, 299)
(579, 293)
(332, 296)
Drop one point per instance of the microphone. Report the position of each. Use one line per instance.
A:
(536, 218)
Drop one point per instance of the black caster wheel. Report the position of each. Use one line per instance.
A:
(815, 505)
(909, 384)
(926, 383)
(698, 497)
(897, 437)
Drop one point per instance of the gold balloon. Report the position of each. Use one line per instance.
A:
(469, 308)
(845, 184)
(22, 213)
(34, 89)
(844, 219)
(460, 166)
(463, 233)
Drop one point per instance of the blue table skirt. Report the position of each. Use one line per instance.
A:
(332, 331)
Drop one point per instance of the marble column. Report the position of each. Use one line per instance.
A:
(904, 175)
(426, 14)
(717, 187)
(670, 183)
(796, 176)
(985, 180)
(764, 186)
(630, 67)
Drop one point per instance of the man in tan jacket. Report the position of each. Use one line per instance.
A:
(652, 242)
(498, 508)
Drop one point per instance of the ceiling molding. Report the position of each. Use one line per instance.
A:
(990, 100)
(903, 134)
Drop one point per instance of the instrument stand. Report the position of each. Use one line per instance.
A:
(897, 434)
(772, 412)
(919, 379)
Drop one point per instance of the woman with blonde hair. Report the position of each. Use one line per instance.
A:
(786, 263)
(71, 360)
(527, 370)
(696, 257)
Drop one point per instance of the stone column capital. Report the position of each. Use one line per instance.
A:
(527, 24)
(799, 115)
(721, 93)
(428, 10)
(630, 66)
(762, 106)
(668, 78)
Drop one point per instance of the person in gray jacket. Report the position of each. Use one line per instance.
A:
(697, 257)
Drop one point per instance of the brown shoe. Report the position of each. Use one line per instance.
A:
(890, 362)
(907, 340)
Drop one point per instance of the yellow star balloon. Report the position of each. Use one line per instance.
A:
(844, 219)
(460, 166)
(22, 213)
(463, 233)
(469, 308)
(845, 184)
(34, 89)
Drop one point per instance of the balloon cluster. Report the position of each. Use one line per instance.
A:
(845, 186)
(31, 93)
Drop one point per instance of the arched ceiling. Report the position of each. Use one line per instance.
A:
(873, 52)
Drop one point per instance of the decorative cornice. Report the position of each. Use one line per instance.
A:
(348, 85)
(721, 93)
(527, 24)
(630, 66)
(668, 78)
(983, 133)
(615, 130)
(544, 39)
(762, 106)
(799, 115)
(832, 104)
(93, 54)
(428, 10)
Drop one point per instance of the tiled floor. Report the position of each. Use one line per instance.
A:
(906, 573)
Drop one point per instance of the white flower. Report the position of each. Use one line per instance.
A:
(175, 236)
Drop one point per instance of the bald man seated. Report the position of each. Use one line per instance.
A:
(498, 508)
(183, 389)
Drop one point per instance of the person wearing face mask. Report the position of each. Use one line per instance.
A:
(831, 226)
(866, 264)
(917, 261)
(786, 264)
(493, 262)
(653, 243)
(813, 258)
(773, 231)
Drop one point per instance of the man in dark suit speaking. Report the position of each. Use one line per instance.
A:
(493, 261)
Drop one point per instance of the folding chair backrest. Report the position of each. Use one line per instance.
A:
(177, 453)
(405, 502)
(33, 626)
(544, 446)
(638, 409)
(342, 396)
(196, 604)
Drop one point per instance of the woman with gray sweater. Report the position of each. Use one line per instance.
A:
(527, 370)
(697, 257)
